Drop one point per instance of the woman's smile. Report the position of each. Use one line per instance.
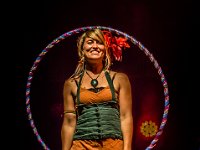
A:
(95, 51)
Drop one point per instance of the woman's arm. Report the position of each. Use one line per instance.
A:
(125, 102)
(69, 119)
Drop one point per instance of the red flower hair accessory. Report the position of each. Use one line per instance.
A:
(116, 44)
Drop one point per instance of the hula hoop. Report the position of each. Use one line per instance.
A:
(76, 31)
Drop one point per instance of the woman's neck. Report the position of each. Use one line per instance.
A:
(94, 68)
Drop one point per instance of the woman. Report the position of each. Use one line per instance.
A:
(97, 101)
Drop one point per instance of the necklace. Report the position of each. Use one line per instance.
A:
(94, 82)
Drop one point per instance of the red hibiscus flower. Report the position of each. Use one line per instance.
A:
(116, 44)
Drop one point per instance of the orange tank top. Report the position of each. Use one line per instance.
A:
(89, 97)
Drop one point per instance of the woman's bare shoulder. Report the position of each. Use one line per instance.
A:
(70, 82)
(120, 75)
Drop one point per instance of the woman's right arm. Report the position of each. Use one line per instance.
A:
(69, 118)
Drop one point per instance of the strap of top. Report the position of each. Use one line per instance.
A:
(110, 82)
(78, 89)
(76, 82)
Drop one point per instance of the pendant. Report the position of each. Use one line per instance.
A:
(94, 82)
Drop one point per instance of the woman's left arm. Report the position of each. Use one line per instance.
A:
(125, 102)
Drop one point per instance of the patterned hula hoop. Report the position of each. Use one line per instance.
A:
(76, 31)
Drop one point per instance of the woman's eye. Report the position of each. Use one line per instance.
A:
(90, 42)
(98, 42)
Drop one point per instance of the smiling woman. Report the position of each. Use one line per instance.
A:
(97, 101)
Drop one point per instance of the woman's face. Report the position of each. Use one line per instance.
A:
(93, 49)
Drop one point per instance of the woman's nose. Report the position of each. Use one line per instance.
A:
(95, 45)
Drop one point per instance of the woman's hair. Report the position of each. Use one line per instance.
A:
(95, 34)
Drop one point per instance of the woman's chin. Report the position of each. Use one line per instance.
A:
(95, 56)
(95, 59)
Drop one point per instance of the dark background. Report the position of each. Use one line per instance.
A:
(162, 27)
